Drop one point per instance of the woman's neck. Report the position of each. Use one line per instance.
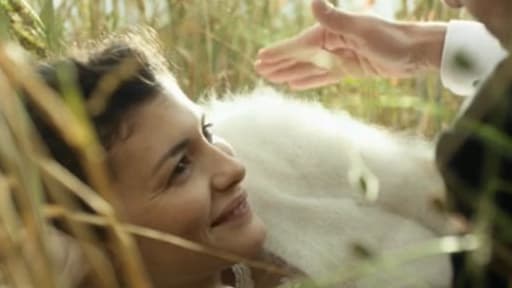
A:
(209, 281)
(263, 279)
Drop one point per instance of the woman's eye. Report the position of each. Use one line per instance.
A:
(181, 168)
(207, 132)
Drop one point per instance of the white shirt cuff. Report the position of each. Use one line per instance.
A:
(470, 55)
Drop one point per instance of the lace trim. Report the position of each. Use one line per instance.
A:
(243, 276)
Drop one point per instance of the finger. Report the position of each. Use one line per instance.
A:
(266, 68)
(310, 37)
(334, 41)
(454, 3)
(331, 18)
(344, 23)
(296, 72)
(277, 52)
(314, 82)
(368, 68)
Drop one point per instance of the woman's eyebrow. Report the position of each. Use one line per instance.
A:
(175, 150)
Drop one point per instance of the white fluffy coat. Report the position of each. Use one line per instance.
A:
(299, 157)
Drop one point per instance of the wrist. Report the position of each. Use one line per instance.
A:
(427, 45)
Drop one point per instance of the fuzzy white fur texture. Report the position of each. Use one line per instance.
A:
(305, 172)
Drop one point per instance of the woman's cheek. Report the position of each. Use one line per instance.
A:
(181, 212)
(190, 213)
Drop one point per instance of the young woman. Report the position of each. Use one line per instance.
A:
(172, 174)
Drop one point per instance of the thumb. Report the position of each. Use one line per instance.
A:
(335, 20)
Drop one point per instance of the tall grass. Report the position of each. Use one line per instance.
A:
(211, 45)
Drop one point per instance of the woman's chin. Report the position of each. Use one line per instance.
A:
(245, 240)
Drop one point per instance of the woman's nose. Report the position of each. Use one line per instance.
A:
(229, 171)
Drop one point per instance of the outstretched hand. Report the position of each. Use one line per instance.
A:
(347, 44)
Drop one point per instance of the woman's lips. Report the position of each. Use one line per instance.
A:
(236, 210)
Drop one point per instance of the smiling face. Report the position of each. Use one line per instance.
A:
(495, 14)
(174, 176)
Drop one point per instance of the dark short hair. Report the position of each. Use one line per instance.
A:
(129, 92)
(87, 73)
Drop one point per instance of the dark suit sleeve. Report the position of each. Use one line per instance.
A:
(474, 157)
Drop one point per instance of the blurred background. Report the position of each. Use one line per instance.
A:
(212, 46)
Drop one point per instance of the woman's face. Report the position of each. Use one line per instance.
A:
(174, 176)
